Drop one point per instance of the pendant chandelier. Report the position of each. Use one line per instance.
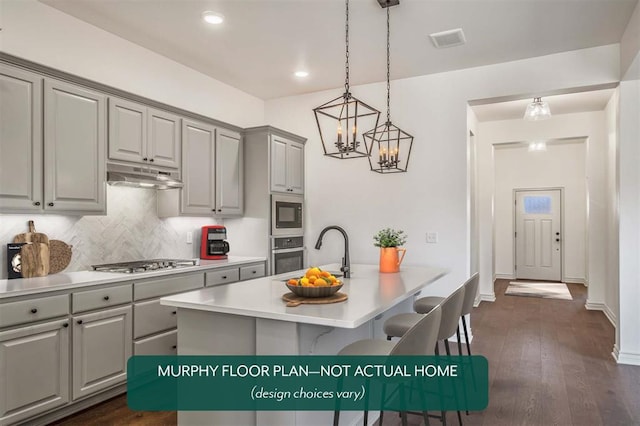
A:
(340, 119)
(388, 145)
(537, 110)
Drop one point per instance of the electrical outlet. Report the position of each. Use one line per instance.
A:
(189, 237)
(432, 237)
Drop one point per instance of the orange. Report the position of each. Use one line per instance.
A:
(321, 282)
(292, 281)
(325, 273)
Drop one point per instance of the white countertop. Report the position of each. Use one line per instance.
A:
(370, 294)
(67, 280)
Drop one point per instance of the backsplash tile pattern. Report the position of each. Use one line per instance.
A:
(131, 230)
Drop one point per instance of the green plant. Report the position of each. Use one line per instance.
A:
(389, 238)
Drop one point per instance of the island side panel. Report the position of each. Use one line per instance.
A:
(212, 333)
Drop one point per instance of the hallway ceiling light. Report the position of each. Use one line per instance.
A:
(537, 110)
(388, 145)
(340, 140)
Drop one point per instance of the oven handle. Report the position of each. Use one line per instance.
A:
(288, 250)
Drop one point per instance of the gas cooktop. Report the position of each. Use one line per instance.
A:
(145, 265)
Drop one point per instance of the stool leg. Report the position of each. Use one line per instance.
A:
(366, 418)
(466, 335)
(446, 346)
(403, 415)
(336, 418)
(459, 342)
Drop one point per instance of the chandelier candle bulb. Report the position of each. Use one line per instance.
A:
(339, 133)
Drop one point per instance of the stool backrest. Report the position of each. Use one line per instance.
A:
(422, 337)
(451, 309)
(470, 291)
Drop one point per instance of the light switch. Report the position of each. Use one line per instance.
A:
(189, 237)
(432, 237)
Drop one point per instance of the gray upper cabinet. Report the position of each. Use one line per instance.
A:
(212, 173)
(287, 165)
(198, 166)
(20, 140)
(74, 148)
(229, 173)
(143, 135)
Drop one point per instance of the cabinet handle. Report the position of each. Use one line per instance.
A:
(65, 325)
(145, 159)
(174, 347)
(213, 210)
(151, 159)
(254, 272)
(50, 204)
(34, 310)
(79, 321)
(219, 210)
(224, 277)
(106, 298)
(174, 312)
(37, 203)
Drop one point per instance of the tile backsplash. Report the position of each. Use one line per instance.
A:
(131, 230)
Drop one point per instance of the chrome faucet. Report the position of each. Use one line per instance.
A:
(346, 265)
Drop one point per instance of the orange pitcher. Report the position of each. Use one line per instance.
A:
(389, 261)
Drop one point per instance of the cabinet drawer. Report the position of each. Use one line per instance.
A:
(164, 286)
(162, 344)
(222, 276)
(103, 298)
(33, 310)
(253, 271)
(151, 317)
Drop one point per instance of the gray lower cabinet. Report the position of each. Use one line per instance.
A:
(102, 344)
(34, 370)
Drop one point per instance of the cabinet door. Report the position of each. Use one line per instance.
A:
(20, 140)
(229, 175)
(74, 148)
(295, 167)
(34, 372)
(127, 130)
(198, 174)
(279, 164)
(163, 146)
(101, 347)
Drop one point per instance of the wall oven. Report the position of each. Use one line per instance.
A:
(287, 254)
(286, 215)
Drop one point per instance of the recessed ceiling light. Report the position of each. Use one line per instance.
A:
(301, 74)
(212, 17)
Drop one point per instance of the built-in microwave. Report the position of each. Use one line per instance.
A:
(286, 215)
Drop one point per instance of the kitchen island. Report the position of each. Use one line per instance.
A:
(250, 318)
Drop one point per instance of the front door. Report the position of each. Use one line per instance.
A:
(538, 237)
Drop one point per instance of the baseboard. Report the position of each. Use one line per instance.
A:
(487, 297)
(570, 280)
(504, 277)
(628, 358)
(616, 352)
(596, 306)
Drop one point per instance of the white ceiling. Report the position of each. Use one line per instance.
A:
(262, 42)
(559, 104)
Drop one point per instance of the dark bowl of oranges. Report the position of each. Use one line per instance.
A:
(315, 283)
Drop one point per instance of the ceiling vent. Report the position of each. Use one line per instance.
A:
(448, 38)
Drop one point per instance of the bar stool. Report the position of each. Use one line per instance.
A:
(418, 340)
(425, 304)
(398, 325)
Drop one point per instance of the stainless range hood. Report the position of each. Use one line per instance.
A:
(142, 177)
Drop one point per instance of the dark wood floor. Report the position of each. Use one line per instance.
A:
(550, 363)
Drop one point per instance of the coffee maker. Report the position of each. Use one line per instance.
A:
(213, 245)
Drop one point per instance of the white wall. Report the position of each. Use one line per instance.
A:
(42, 34)
(611, 298)
(432, 196)
(630, 45)
(561, 165)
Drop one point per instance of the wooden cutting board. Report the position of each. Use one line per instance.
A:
(59, 256)
(294, 300)
(35, 254)
(34, 258)
(32, 236)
